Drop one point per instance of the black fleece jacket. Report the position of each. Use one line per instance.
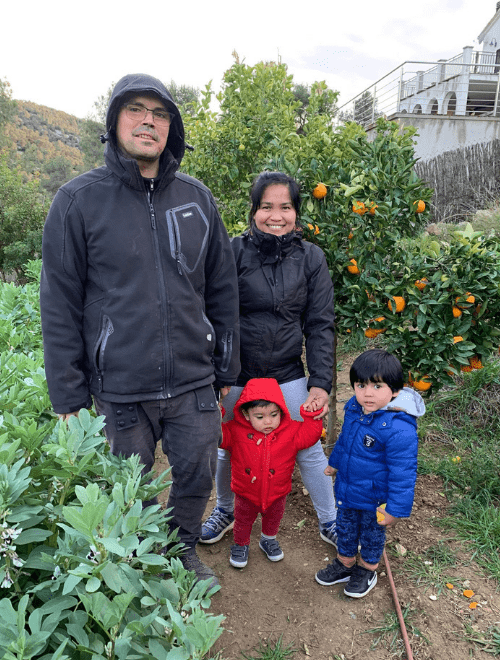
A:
(139, 294)
(286, 295)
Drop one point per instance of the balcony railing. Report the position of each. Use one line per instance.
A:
(467, 84)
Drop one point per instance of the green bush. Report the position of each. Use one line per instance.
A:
(22, 214)
(81, 572)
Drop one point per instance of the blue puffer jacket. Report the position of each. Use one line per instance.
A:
(376, 455)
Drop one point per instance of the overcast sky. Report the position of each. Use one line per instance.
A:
(65, 55)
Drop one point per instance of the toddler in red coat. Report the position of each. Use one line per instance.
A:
(263, 442)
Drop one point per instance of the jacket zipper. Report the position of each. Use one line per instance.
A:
(177, 242)
(163, 291)
(99, 356)
(227, 342)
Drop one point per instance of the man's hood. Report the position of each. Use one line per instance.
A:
(261, 388)
(140, 83)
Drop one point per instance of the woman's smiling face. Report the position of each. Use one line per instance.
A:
(276, 214)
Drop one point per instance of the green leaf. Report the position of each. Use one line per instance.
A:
(33, 535)
(93, 584)
(113, 546)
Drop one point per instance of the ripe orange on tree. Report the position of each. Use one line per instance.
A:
(371, 333)
(421, 284)
(320, 191)
(475, 362)
(456, 312)
(354, 268)
(373, 208)
(420, 206)
(421, 385)
(457, 339)
(313, 228)
(469, 299)
(359, 208)
(400, 303)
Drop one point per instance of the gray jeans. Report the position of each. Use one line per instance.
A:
(189, 429)
(311, 461)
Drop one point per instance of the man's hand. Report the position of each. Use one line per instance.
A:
(224, 391)
(317, 400)
(330, 471)
(66, 416)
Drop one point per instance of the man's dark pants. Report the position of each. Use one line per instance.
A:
(189, 427)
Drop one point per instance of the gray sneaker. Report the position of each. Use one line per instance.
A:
(192, 562)
(239, 556)
(216, 525)
(272, 549)
(328, 533)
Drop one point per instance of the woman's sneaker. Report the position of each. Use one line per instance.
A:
(362, 581)
(216, 525)
(334, 573)
(239, 556)
(328, 533)
(272, 549)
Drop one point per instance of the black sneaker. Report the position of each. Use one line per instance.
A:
(272, 549)
(334, 573)
(361, 582)
(239, 556)
(192, 562)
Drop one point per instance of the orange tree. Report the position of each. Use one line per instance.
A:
(367, 225)
(435, 304)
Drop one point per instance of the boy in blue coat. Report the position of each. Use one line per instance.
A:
(375, 459)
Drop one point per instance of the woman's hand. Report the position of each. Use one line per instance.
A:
(330, 471)
(317, 399)
(224, 391)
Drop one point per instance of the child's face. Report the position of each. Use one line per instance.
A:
(373, 396)
(264, 419)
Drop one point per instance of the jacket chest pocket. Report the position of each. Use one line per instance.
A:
(188, 232)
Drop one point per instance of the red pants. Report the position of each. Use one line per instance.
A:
(245, 514)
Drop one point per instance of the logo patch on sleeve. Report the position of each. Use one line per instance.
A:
(368, 441)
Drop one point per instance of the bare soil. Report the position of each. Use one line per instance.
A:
(267, 600)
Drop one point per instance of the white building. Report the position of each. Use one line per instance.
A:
(453, 103)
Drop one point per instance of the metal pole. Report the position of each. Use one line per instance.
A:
(496, 95)
(395, 598)
(400, 90)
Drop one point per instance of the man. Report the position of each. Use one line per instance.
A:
(139, 301)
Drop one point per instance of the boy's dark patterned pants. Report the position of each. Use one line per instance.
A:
(359, 527)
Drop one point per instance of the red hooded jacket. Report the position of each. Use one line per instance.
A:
(262, 465)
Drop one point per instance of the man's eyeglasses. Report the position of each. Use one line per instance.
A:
(139, 112)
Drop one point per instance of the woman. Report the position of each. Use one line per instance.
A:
(286, 295)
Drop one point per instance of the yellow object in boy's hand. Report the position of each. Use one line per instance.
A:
(380, 515)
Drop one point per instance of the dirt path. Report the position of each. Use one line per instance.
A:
(266, 600)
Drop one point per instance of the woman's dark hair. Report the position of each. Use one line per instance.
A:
(377, 366)
(266, 179)
(248, 405)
